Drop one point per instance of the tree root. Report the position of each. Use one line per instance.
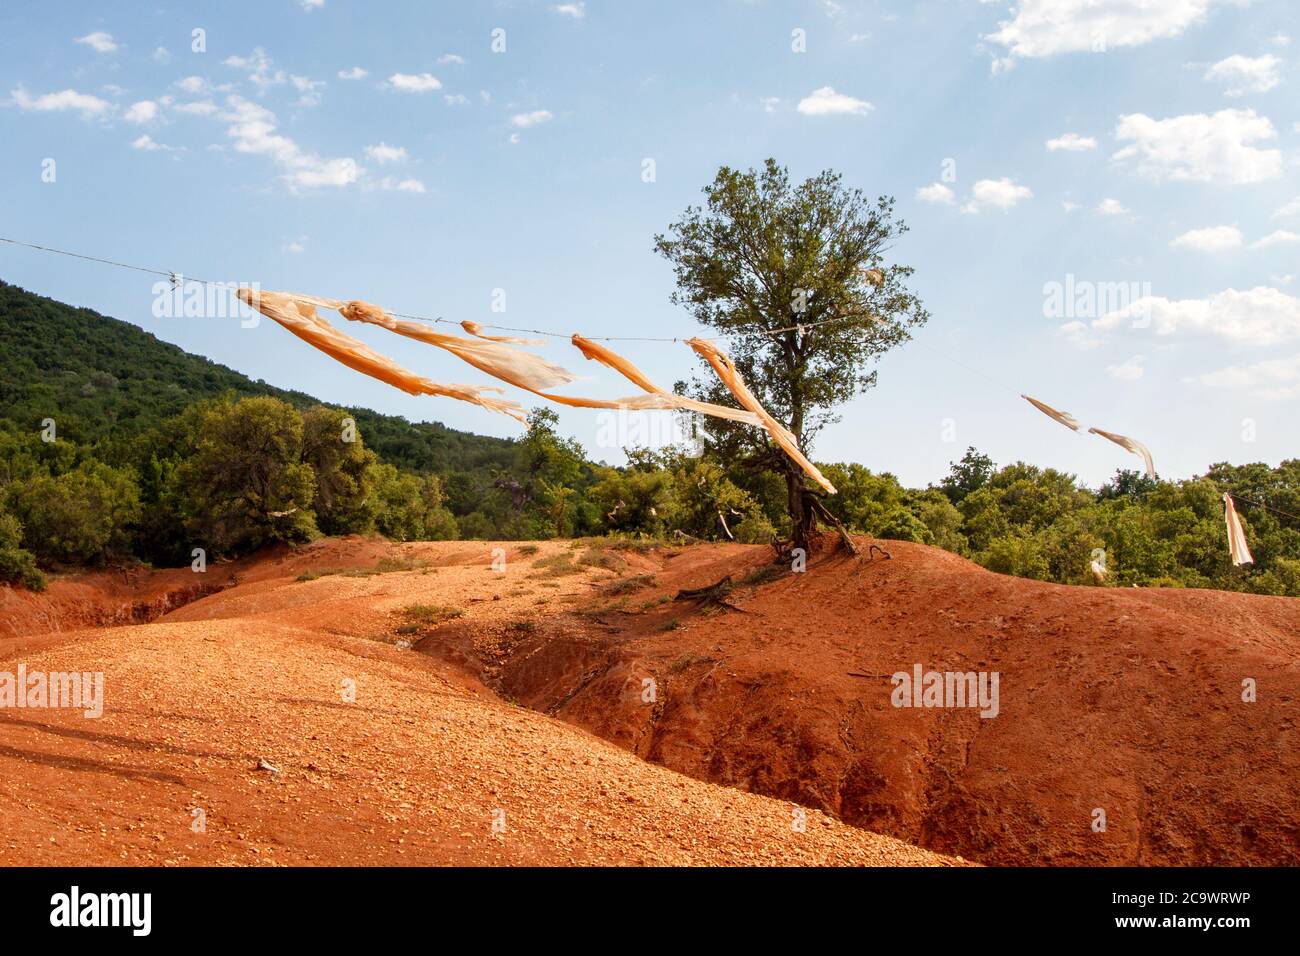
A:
(714, 595)
(824, 513)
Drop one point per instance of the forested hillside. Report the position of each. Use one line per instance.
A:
(107, 380)
(159, 452)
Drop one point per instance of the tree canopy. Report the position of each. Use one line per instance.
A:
(795, 277)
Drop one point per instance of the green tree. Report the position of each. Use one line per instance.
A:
(765, 262)
(245, 484)
(410, 507)
(17, 563)
(83, 516)
(970, 474)
(537, 484)
(341, 463)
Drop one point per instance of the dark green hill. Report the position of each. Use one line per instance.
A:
(101, 379)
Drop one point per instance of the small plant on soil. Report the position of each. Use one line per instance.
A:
(385, 566)
(764, 575)
(636, 582)
(420, 617)
(555, 566)
(601, 558)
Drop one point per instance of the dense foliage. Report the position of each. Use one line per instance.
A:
(175, 453)
(105, 382)
(794, 276)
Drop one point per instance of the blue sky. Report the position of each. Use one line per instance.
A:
(385, 151)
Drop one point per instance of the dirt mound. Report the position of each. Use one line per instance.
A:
(1127, 702)
(1120, 701)
(225, 743)
(138, 594)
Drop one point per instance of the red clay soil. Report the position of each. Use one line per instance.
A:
(1125, 701)
(230, 736)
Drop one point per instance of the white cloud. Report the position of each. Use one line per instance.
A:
(309, 89)
(1069, 205)
(1111, 207)
(826, 102)
(260, 71)
(391, 183)
(162, 55)
(356, 73)
(1199, 147)
(310, 5)
(1245, 74)
(85, 104)
(514, 139)
(770, 103)
(253, 128)
(525, 120)
(1081, 336)
(414, 82)
(456, 99)
(1280, 237)
(193, 84)
(147, 144)
(294, 246)
(1002, 64)
(198, 108)
(99, 41)
(451, 58)
(1209, 239)
(145, 111)
(1259, 316)
(997, 193)
(1271, 378)
(935, 193)
(383, 153)
(859, 37)
(1048, 27)
(576, 10)
(1289, 209)
(1127, 371)
(1071, 142)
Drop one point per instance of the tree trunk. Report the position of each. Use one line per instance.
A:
(803, 520)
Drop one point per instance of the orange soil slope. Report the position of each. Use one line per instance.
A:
(412, 771)
(1124, 700)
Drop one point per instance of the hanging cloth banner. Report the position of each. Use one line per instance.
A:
(473, 328)
(612, 360)
(726, 371)
(298, 315)
(1237, 545)
(524, 370)
(1132, 445)
(528, 371)
(1065, 418)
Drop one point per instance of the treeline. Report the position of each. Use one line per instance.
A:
(231, 475)
(1040, 523)
(105, 382)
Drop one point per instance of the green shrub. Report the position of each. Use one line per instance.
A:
(754, 528)
(17, 564)
(83, 516)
